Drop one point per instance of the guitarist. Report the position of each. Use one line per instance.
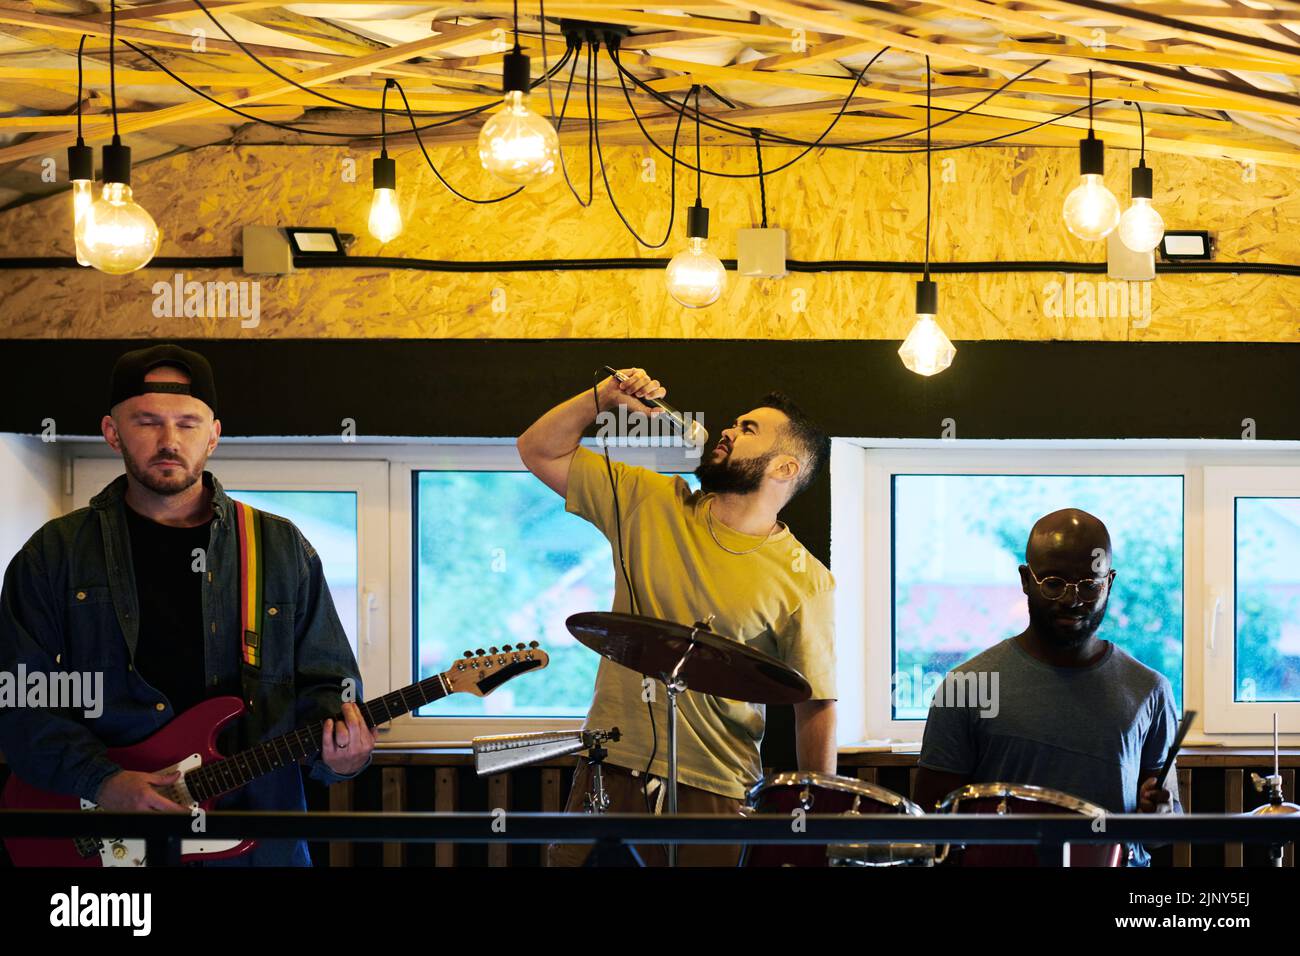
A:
(145, 587)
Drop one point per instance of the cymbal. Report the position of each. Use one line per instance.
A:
(717, 665)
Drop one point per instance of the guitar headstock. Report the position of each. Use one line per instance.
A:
(481, 672)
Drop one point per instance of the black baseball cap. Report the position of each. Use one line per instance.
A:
(132, 367)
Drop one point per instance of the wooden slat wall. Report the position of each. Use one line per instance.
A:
(1232, 796)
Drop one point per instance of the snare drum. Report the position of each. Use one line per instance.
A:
(819, 793)
(1004, 798)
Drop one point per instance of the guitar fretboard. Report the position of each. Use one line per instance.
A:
(222, 776)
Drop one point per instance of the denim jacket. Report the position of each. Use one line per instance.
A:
(69, 604)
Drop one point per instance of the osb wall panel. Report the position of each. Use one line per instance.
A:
(994, 204)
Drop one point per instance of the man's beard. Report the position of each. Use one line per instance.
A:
(1045, 624)
(157, 483)
(728, 477)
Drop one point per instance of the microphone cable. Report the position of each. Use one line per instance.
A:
(631, 591)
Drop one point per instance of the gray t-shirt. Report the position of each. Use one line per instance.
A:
(1093, 732)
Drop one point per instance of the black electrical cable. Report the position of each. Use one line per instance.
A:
(762, 182)
(782, 139)
(80, 47)
(956, 114)
(292, 82)
(287, 126)
(627, 579)
(1291, 270)
(559, 124)
(928, 164)
(428, 159)
(1090, 102)
(383, 116)
(982, 142)
(1142, 127)
(112, 60)
(672, 189)
(857, 80)
(591, 129)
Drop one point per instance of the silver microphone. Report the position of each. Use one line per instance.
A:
(690, 429)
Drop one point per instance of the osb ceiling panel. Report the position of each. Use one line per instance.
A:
(1215, 78)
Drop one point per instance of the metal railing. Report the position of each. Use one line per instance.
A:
(163, 833)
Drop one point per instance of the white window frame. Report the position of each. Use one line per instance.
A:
(1223, 485)
(444, 732)
(881, 465)
(367, 479)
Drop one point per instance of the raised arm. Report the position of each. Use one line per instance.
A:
(548, 446)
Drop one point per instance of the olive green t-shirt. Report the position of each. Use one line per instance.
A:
(777, 599)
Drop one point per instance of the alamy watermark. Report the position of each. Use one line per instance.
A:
(917, 690)
(627, 427)
(179, 299)
(1077, 298)
(59, 690)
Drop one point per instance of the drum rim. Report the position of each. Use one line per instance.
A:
(978, 791)
(835, 782)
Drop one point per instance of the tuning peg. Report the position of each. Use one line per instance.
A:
(469, 653)
(493, 651)
(480, 652)
(534, 644)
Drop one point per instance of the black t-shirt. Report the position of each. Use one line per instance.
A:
(170, 653)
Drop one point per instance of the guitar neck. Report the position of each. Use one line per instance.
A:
(222, 776)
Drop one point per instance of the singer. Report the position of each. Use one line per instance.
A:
(687, 555)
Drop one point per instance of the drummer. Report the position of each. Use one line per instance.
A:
(719, 551)
(1073, 712)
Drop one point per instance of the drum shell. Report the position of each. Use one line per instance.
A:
(995, 854)
(818, 795)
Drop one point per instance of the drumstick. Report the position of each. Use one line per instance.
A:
(1183, 726)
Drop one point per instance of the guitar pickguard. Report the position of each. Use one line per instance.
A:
(114, 851)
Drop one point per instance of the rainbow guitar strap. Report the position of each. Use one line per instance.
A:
(248, 522)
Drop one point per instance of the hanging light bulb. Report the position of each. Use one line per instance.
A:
(385, 216)
(116, 234)
(516, 144)
(696, 277)
(927, 350)
(81, 171)
(81, 167)
(1091, 210)
(1141, 228)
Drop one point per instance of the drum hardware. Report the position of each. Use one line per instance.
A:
(789, 793)
(500, 753)
(688, 658)
(1272, 786)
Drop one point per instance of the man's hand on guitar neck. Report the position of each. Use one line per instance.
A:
(130, 790)
(345, 744)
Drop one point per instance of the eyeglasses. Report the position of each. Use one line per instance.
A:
(1054, 588)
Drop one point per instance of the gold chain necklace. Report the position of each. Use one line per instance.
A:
(708, 520)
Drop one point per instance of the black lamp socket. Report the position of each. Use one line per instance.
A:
(117, 162)
(927, 297)
(1092, 156)
(1142, 183)
(516, 75)
(697, 221)
(81, 161)
(385, 172)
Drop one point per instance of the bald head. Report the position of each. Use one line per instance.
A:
(1069, 540)
(1066, 577)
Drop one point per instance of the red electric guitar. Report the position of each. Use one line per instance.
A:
(188, 744)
